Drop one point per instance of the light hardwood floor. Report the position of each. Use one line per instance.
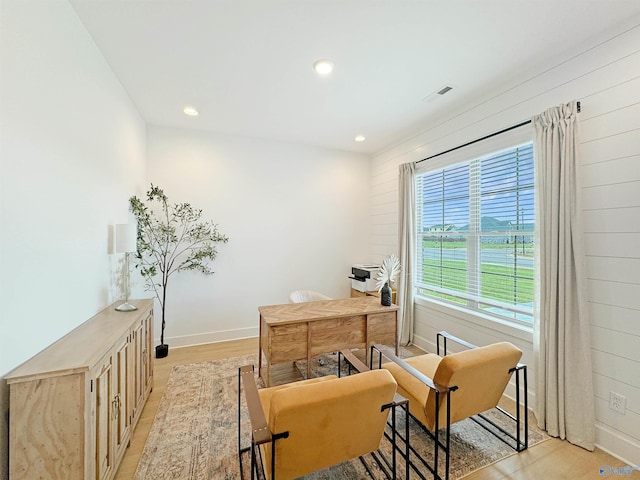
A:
(550, 460)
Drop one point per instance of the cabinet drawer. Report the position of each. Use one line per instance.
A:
(288, 343)
(382, 328)
(338, 333)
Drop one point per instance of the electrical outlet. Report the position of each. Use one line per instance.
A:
(617, 402)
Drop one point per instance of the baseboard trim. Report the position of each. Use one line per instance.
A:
(424, 344)
(210, 337)
(607, 440)
(617, 445)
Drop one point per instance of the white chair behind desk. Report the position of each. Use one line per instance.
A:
(300, 296)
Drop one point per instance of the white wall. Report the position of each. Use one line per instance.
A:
(605, 77)
(72, 150)
(296, 218)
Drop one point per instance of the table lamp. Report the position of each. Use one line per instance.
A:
(126, 242)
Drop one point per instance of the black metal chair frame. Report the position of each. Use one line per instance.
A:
(517, 442)
(260, 433)
(520, 370)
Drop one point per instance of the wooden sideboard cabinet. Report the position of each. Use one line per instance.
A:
(73, 406)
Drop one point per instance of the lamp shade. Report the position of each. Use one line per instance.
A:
(126, 238)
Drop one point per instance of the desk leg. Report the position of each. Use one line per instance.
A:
(264, 330)
(266, 378)
(308, 350)
(397, 338)
(260, 349)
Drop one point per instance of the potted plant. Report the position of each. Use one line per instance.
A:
(171, 239)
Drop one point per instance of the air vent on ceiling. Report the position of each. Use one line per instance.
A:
(438, 93)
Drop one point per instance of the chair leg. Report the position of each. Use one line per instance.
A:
(394, 459)
(241, 450)
(526, 409)
(447, 440)
(448, 434)
(407, 447)
(518, 410)
(390, 467)
(254, 465)
(436, 440)
(239, 426)
(519, 440)
(273, 459)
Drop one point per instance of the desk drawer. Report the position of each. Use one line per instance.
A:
(382, 328)
(337, 333)
(288, 343)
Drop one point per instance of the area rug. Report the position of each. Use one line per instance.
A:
(194, 433)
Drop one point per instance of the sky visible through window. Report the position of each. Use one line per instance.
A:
(506, 190)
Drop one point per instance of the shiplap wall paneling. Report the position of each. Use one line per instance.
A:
(610, 174)
(384, 218)
(605, 77)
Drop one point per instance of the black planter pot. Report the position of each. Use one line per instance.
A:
(162, 350)
(385, 295)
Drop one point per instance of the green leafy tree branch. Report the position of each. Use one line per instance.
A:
(171, 239)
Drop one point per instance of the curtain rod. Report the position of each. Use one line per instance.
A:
(513, 127)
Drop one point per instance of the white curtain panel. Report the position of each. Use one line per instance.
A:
(407, 247)
(564, 388)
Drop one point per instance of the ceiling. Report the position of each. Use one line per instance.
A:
(246, 65)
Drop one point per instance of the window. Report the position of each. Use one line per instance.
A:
(476, 227)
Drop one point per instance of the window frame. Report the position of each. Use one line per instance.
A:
(484, 148)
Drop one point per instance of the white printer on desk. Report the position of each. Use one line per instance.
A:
(363, 277)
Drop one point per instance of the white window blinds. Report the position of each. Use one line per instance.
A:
(476, 231)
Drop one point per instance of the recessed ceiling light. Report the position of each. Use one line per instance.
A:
(192, 112)
(360, 138)
(323, 67)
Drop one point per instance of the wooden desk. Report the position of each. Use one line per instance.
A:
(300, 331)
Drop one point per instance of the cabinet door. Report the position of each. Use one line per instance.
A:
(138, 368)
(148, 351)
(121, 401)
(46, 424)
(104, 431)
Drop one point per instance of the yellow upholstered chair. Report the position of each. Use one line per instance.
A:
(445, 389)
(310, 425)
